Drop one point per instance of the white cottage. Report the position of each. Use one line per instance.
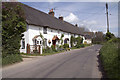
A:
(50, 27)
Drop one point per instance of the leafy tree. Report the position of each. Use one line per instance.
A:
(43, 39)
(62, 38)
(109, 36)
(79, 41)
(0, 28)
(99, 37)
(13, 25)
(71, 41)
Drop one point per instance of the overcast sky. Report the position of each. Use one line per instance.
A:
(86, 14)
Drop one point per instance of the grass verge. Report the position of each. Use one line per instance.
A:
(11, 59)
(53, 52)
(44, 54)
(110, 60)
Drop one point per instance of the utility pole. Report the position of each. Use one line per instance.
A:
(107, 17)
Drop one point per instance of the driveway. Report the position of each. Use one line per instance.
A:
(79, 63)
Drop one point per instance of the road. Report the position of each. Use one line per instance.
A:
(79, 63)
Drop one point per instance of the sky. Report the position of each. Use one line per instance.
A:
(90, 15)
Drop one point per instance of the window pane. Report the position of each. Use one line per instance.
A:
(23, 43)
(45, 30)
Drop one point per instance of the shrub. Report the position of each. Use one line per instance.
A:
(72, 39)
(110, 60)
(13, 25)
(10, 59)
(80, 46)
(115, 40)
(61, 47)
(53, 48)
(109, 36)
(62, 39)
(85, 42)
(66, 46)
(47, 50)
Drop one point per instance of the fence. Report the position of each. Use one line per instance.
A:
(31, 49)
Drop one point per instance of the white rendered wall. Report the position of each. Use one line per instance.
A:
(89, 41)
(26, 37)
(33, 30)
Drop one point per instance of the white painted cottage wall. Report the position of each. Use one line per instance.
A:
(26, 37)
(33, 30)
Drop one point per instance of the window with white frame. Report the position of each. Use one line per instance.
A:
(51, 30)
(58, 31)
(45, 30)
(23, 43)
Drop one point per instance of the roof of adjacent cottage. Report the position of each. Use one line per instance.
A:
(88, 36)
(39, 18)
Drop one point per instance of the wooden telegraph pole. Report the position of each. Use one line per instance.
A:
(107, 17)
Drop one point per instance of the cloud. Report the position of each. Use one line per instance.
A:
(71, 18)
(93, 22)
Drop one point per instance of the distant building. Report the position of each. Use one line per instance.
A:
(88, 37)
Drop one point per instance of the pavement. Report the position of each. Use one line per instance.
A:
(78, 63)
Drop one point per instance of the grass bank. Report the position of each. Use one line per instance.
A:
(11, 59)
(110, 59)
(44, 54)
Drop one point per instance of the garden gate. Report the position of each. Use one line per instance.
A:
(31, 49)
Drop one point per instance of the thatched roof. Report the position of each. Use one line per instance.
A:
(39, 18)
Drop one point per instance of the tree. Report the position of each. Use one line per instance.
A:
(98, 38)
(71, 41)
(109, 36)
(43, 39)
(62, 38)
(13, 25)
(79, 41)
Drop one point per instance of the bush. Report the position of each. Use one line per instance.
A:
(72, 40)
(80, 46)
(13, 25)
(10, 59)
(114, 40)
(110, 60)
(109, 36)
(61, 48)
(47, 50)
(53, 48)
(66, 46)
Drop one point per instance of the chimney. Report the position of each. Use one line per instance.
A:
(76, 25)
(51, 12)
(61, 18)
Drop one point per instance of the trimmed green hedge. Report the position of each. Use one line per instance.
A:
(110, 59)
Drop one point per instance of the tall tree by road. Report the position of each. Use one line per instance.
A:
(13, 25)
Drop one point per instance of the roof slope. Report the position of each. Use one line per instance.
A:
(36, 17)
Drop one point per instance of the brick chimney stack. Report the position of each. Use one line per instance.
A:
(51, 12)
(76, 25)
(61, 18)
